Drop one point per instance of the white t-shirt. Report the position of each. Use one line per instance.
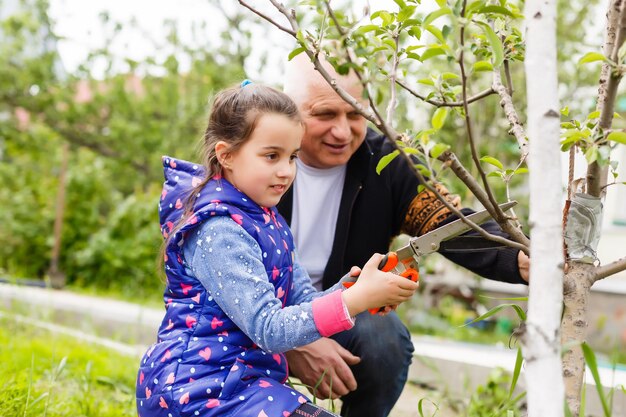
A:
(316, 198)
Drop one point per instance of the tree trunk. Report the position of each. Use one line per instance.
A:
(576, 287)
(57, 277)
(541, 339)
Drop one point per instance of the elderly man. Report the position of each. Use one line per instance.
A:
(341, 211)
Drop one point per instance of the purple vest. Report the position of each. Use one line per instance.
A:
(203, 364)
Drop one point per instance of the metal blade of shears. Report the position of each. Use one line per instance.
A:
(431, 241)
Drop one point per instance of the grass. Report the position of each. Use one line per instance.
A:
(47, 375)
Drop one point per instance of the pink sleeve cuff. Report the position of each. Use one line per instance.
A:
(330, 314)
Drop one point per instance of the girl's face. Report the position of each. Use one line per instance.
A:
(264, 167)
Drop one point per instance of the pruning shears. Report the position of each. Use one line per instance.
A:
(405, 261)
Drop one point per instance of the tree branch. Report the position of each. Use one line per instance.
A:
(392, 80)
(610, 269)
(78, 140)
(607, 91)
(493, 207)
(269, 19)
(506, 102)
(510, 226)
(438, 103)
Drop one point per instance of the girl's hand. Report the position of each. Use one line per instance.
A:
(376, 288)
(387, 309)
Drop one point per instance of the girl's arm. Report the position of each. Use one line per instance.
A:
(303, 289)
(227, 261)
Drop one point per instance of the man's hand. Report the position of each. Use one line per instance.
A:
(309, 362)
(523, 263)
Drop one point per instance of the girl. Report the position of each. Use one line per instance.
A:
(236, 296)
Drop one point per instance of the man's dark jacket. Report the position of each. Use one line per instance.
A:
(373, 208)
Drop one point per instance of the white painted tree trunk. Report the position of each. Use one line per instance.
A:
(541, 340)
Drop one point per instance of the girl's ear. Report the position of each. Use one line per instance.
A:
(222, 151)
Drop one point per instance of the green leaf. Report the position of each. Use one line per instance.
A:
(414, 56)
(522, 170)
(295, 53)
(416, 32)
(493, 161)
(431, 17)
(420, 407)
(594, 115)
(366, 28)
(495, 174)
(438, 149)
(568, 411)
(473, 7)
(400, 3)
(423, 170)
(420, 188)
(386, 17)
(414, 47)
(385, 160)
(591, 155)
(432, 51)
(426, 81)
(482, 66)
(496, 44)
(495, 310)
(516, 371)
(405, 13)
(565, 111)
(619, 137)
(496, 9)
(504, 298)
(439, 117)
(436, 33)
(591, 57)
(449, 76)
(590, 359)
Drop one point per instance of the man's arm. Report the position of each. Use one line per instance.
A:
(426, 213)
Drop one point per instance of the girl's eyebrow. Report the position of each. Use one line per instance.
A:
(277, 148)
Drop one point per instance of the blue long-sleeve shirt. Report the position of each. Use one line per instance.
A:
(228, 263)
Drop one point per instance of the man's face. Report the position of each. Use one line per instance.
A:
(333, 129)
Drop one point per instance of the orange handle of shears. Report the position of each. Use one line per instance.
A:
(389, 262)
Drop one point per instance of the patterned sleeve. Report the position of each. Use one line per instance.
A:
(303, 289)
(227, 261)
(426, 212)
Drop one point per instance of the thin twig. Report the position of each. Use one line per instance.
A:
(438, 103)
(392, 80)
(493, 207)
(269, 19)
(333, 16)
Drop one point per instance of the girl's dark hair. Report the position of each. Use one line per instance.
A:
(234, 114)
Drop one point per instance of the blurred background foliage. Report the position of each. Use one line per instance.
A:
(117, 128)
(111, 131)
